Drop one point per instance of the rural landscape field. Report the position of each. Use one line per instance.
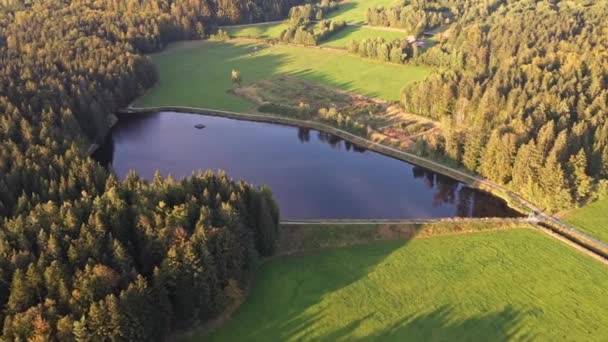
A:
(482, 286)
(303, 170)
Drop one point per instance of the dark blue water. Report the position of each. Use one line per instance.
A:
(313, 175)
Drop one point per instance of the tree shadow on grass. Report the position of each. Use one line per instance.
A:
(270, 64)
(342, 34)
(286, 288)
(198, 73)
(256, 63)
(345, 7)
(289, 302)
(329, 81)
(440, 325)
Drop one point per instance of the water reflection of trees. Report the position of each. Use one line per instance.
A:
(104, 155)
(303, 134)
(446, 187)
(468, 202)
(334, 141)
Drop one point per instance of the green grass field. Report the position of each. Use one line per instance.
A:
(339, 40)
(343, 37)
(491, 286)
(353, 11)
(262, 31)
(592, 219)
(197, 74)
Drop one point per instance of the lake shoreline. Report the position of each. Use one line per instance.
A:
(388, 151)
(513, 201)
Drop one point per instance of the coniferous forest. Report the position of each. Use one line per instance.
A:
(520, 89)
(522, 93)
(82, 255)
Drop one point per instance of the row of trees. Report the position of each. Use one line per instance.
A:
(416, 16)
(311, 12)
(397, 51)
(524, 100)
(301, 28)
(311, 34)
(343, 121)
(82, 255)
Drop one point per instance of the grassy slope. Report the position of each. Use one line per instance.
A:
(592, 219)
(197, 74)
(485, 286)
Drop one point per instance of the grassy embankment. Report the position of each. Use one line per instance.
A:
(493, 285)
(591, 219)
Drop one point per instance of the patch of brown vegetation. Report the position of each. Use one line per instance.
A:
(306, 237)
(374, 119)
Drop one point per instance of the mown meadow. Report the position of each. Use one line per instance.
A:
(489, 286)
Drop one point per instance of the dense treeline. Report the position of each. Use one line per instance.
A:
(311, 34)
(524, 101)
(83, 256)
(397, 51)
(134, 261)
(185, 14)
(311, 12)
(417, 16)
(302, 29)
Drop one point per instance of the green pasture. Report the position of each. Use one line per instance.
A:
(516, 284)
(197, 74)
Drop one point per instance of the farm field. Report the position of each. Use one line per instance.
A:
(492, 286)
(197, 74)
(592, 219)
